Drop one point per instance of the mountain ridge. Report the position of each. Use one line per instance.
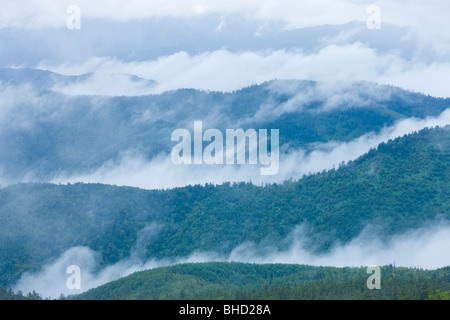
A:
(53, 135)
(400, 186)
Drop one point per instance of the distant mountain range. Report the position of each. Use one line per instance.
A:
(48, 133)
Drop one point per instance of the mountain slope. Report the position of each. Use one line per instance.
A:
(402, 185)
(269, 281)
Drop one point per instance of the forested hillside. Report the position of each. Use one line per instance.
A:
(401, 185)
(272, 281)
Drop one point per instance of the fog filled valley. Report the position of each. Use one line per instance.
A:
(224, 150)
(387, 207)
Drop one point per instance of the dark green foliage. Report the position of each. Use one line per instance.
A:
(402, 185)
(272, 281)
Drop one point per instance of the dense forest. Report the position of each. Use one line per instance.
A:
(273, 281)
(239, 281)
(403, 184)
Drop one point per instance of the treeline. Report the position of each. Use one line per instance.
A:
(9, 294)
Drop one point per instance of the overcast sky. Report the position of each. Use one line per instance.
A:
(226, 45)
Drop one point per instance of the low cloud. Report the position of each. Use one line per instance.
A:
(424, 248)
(328, 95)
(108, 84)
(222, 70)
(161, 172)
(21, 106)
